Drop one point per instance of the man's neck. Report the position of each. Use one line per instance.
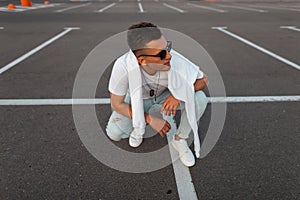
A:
(148, 70)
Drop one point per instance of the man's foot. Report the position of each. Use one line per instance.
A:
(135, 140)
(185, 154)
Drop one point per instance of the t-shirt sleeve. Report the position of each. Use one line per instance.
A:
(118, 82)
(200, 73)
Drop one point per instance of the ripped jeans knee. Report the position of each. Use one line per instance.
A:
(118, 127)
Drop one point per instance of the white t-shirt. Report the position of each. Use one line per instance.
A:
(119, 84)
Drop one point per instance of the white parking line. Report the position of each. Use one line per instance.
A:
(275, 8)
(38, 48)
(11, 10)
(254, 99)
(207, 8)
(1, 28)
(243, 99)
(244, 8)
(183, 178)
(284, 60)
(292, 9)
(293, 6)
(290, 27)
(72, 7)
(174, 8)
(107, 7)
(185, 186)
(140, 6)
(26, 8)
(40, 102)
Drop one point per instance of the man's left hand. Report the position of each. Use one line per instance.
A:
(170, 106)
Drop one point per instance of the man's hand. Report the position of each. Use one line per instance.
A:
(170, 106)
(159, 124)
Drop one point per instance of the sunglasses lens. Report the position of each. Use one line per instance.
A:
(163, 54)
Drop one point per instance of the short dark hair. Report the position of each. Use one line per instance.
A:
(140, 34)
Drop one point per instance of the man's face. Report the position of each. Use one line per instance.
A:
(150, 55)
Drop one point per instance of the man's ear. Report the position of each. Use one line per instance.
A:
(141, 61)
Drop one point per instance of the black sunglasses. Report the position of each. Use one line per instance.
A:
(163, 53)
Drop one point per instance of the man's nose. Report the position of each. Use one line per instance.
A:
(168, 56)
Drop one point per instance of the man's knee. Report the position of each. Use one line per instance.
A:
(118, 127)
(201, 97)
(115, 131)
(114, 134)
(201, 100)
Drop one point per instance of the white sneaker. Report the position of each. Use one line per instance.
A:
(185, 154)
(135, 138)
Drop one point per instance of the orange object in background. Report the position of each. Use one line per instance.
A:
(11, 6)
(26, 3)
(46, 2)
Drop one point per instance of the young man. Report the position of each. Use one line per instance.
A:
(151, 73)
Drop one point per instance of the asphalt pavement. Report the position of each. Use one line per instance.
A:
(257, 156)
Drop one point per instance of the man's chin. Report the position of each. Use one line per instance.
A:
(167, 68)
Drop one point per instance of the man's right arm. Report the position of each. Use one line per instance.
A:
(117, 103)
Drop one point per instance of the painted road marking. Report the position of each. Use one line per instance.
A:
(183, 178)
(207, 8)
(294, 6)
(140, 6)
(10, 10)
(272, 7)
(1, 28)
(37, 6)
(284, 60)
(174, 8)
(107, 7)
(242, 99)
(38, 48)
(185, 186)
(254, 99)
(72, 7)
(292, 9)
(36, 102)
(290, 27)
(24, 8)
(244, 8)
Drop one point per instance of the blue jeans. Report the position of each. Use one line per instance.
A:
(120, 126)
